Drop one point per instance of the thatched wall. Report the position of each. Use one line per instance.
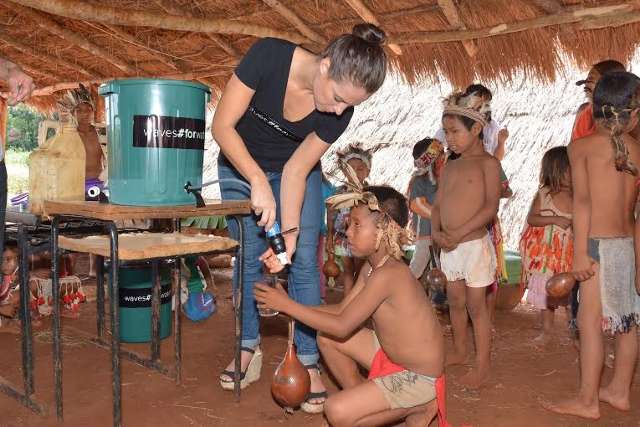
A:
(538, 115)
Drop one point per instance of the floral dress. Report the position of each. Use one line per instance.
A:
(545, 251)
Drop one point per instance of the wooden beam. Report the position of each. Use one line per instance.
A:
(41, 54)
(195, 75)
(549, 6)
(43, 21)
(610, 22)
(586, 15)
(171, 8)
(4, 117)
(367, 14)
(450, 11)
(76, 9)
(295, 20)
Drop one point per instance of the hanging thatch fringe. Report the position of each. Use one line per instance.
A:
(76, 9)
(31, 50)
(295, 20)
(620, 12)
(52, 26)
(365, 13)
(172, 9)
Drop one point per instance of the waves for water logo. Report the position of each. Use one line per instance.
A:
(168, 132)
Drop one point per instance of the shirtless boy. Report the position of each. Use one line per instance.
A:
(604, 176)
(466, 202)
(404, 353)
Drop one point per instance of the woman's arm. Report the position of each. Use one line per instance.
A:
(293, 184)
(233, 104)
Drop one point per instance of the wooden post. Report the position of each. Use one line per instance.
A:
(4, 118)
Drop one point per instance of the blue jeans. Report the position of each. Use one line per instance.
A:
(304, 276)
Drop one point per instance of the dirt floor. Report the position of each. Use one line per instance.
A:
(523, 373)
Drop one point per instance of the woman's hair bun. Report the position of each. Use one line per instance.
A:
(369, 32)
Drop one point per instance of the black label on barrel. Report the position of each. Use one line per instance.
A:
(141, 297)
(168, 132)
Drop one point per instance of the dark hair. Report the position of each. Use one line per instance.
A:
(555, 163)
(608, 66)
(359, 57)
(615, 96)
(467, 122)
(421, 146)
(480, 90)
(391, 202)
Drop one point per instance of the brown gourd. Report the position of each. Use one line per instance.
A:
(331, 269)
(560, 285)
(291, 382)
(436, 280)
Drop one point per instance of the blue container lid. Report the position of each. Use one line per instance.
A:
(113, 85)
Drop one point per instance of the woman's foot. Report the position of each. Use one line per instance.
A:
(250, 367)
(317, 393)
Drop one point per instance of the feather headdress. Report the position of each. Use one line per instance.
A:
(72, 98)
(357, 151)
(395, 236)
(472, 106)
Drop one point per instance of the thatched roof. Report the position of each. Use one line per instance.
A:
(63, 41)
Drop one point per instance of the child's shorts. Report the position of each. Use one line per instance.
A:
(405, 389)
(473, 261)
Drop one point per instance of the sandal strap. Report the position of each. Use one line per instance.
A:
(231, 375)
(317, 395)
(248, 350)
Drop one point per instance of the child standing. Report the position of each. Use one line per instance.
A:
(605, 189)
(428, 158)
(405, 352)
(466, 202)
(360, 161)
(547, 241)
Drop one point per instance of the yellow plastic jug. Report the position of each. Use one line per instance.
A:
(57, 169)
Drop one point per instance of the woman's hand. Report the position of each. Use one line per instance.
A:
(271, 298)
(263, 203)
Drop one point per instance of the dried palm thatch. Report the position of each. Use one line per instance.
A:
(62, 42)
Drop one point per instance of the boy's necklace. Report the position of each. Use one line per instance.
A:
(380, 264)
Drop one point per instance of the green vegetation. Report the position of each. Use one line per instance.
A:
(22, 128)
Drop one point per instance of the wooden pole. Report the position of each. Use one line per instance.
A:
(295, 20)
(172, 9)
(549, 6)
(79, 40)
(585, 15)
(450, 11)
(367, 14)
(194, 75)
(4, 118)
(41, 54)
(76, 9)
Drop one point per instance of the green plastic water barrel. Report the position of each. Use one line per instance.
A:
(135, 303)
(156, 133)
(514, 266)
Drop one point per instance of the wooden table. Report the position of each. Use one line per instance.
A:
(137, 248)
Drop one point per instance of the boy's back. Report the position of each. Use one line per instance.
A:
(405, 322)
(612, 194)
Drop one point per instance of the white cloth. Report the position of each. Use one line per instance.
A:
(473, 261)
(490, 133)
(421, 257)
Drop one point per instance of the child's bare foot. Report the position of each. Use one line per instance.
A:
(542, 339)
(456, 358)
(619, 401)
(423, 418)
(10, 327)
(574, 407)
(474, 379)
